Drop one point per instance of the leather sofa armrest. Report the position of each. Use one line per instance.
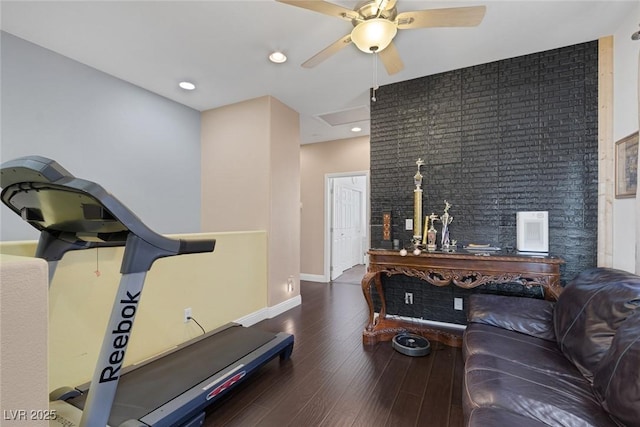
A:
(525, 315)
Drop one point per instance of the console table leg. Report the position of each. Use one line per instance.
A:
(367, 281)
(383, 302)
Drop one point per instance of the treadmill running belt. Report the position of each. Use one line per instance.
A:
(150, 386)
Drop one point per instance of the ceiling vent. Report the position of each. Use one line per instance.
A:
(352, 115)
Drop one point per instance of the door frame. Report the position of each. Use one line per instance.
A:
(328, 215)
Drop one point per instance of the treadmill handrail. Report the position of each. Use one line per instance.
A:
(36, 173)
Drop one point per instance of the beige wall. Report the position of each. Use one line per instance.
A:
(284, 217)
(235, 167)
(217, 286)
(24, 298)
(316, 161)
(251, 181)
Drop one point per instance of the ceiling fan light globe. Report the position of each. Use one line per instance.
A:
(373, 35)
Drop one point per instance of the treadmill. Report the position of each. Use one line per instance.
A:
(172, 389)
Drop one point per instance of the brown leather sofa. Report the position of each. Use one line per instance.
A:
(574, 362)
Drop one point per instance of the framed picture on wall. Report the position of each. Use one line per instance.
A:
(627, 166)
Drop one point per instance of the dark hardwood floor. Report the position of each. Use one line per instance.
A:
(332, 379)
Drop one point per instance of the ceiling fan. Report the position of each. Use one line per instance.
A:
(376, 23)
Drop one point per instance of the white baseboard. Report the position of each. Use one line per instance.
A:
(314, 278)
(435, 323)
(269, 312)
(253, 318)
(284, 306)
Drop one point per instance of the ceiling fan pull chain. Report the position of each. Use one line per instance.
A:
(375, 76)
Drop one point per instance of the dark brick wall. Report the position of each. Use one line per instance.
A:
(513, 135)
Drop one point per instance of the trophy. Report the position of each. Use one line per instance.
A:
(432, 233)
(417, 205)
(446, 220)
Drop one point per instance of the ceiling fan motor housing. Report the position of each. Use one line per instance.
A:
(369, 9)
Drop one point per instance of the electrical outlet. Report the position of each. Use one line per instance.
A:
(408, 298)
(408, 224)
(457, 303)
(187, 315)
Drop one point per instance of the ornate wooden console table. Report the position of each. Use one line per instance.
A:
(463, 269)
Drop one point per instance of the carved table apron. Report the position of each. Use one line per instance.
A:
(463, 269)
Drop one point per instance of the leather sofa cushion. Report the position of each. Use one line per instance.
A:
(535, 353)
(617, 381)
(589, 311)
(556, 400)
(494, 417)
(527, 315)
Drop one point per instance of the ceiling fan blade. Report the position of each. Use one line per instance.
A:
(384, 5)
(389, 4)
(327, 52)
(450, 17)
(325, 7)
(391, 59)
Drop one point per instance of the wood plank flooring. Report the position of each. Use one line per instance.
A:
(332, 379)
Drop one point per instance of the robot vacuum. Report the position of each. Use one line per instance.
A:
(411, 344)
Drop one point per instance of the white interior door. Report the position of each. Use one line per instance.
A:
(347, 225)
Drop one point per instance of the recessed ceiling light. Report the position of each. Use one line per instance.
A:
(356, 129)
(187, 85)
(277, 57)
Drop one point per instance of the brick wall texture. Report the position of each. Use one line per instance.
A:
(514, 135)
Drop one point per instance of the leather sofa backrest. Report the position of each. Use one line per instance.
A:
(589, 311)
(617, 379)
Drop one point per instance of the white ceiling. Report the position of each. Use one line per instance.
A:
(223, 45)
